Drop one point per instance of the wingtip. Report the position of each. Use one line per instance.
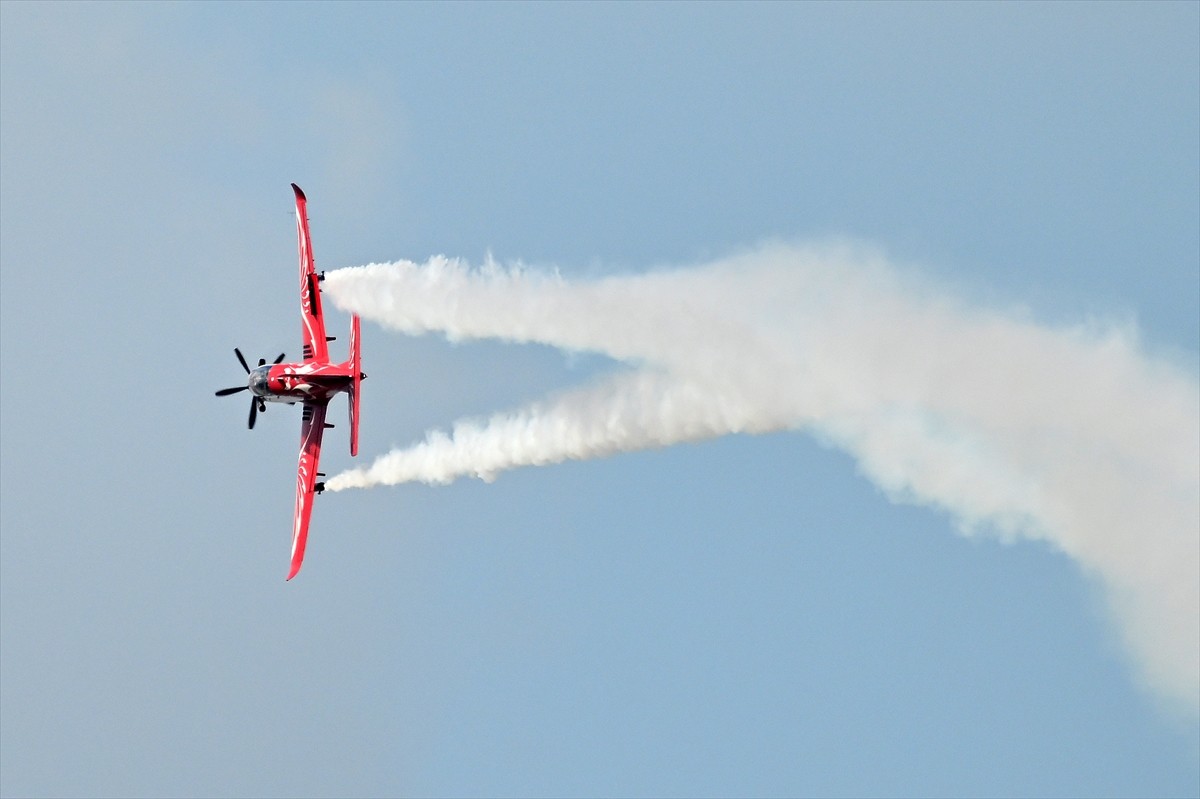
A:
(297, 562)
(299, 193)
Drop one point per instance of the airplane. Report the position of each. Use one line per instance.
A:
(314, 382)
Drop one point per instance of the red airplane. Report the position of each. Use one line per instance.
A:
(314, 382)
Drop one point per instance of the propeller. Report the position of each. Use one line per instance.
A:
(256, 403)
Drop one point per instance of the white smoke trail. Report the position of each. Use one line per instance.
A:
(1070, 435)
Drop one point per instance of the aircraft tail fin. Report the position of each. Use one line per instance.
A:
(356, 381)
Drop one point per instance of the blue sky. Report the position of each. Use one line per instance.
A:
(743, 616)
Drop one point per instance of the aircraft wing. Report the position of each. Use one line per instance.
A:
(311, 429)
(316, 347)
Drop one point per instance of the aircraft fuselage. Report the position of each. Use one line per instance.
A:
(300, 382)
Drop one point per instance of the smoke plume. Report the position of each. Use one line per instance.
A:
(1071, 435)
